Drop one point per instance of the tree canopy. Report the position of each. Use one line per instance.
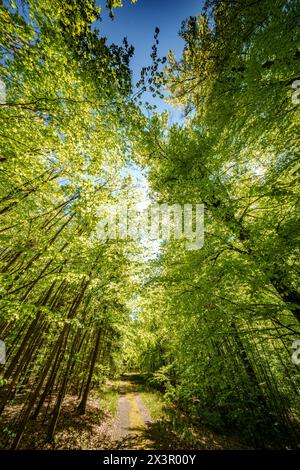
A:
(212, 328)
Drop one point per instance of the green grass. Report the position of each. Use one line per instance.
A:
(109, 396)
(178, 424)
(154, 402)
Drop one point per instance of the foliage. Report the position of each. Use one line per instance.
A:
(213, 327)
(231, 309)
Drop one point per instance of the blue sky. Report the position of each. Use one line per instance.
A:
(138, 21)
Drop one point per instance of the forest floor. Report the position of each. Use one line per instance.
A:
(143, 421)
(123, 415)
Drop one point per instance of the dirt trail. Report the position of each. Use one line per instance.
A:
(130, 426)
(133, 427)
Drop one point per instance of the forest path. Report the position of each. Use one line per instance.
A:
(134, 428)
(130, 429)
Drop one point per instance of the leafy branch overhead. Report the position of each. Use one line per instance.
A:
(212, 329)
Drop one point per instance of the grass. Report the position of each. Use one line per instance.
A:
(152, 398)
(154, 402)
(108, 396)
(178, 425)
(172, 427)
